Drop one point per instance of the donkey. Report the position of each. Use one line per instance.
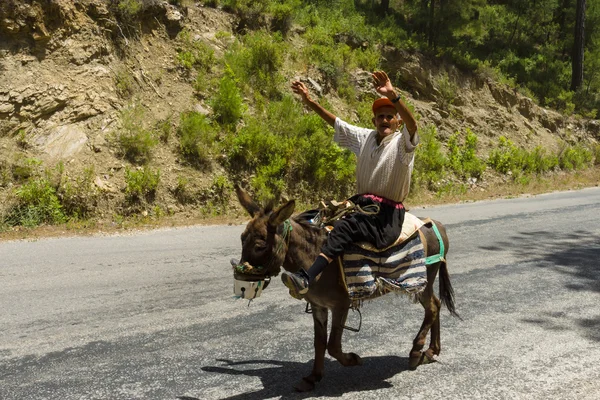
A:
(274, 239)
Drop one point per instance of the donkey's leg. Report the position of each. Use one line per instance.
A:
(431, 307)
(334, 347)
(320, 315)
(435, 345)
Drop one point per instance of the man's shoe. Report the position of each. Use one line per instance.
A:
(296, 283)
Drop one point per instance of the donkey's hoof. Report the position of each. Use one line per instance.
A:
(357, 359)
(415, 360)
(306, 384)
(428, 357)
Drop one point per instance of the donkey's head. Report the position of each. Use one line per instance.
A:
(265, 239)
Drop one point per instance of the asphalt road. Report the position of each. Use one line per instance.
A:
(152, 316)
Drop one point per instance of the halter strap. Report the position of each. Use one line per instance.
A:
(285, 235)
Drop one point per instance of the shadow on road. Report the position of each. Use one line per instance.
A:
(573, 255)
(279, 377)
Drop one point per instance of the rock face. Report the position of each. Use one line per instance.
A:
(59, 67)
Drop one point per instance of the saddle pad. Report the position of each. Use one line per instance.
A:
(410, 225)
(398, 268)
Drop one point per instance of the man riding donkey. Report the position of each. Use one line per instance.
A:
(383, 172)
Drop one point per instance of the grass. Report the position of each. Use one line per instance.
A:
(558, 181)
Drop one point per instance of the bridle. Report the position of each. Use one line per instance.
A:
(247, 270)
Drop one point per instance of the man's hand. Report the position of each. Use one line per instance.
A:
(300, 88)
(383, 85)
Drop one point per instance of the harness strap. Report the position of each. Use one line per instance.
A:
(437, 257)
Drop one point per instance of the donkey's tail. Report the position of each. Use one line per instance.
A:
(446, 290)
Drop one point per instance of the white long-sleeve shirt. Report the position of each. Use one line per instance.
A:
(382, 169)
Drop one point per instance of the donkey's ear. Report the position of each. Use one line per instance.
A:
(246, 201)
(282, 213)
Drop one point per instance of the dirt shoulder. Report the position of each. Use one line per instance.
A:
(561, 181)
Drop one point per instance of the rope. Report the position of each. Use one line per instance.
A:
(287, 229)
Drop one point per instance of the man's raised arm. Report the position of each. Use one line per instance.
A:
(299, 88)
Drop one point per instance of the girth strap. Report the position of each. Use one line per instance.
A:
(437, 257)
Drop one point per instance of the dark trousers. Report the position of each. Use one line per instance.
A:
(380, 229)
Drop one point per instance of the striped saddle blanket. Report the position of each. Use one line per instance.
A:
(398, 268)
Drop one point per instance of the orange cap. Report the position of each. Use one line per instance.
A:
(382, 102)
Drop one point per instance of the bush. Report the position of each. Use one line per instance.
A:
(227, 104)
(216, 197)
(282, 16)
(124, 83)
(135, 142)
(574, 157)
(141, 184)
(257, 61)
(78, 196)
(196, 139)
(537, 162)
(36, 204)
(23, 168)
(128, 10)
(430, 161)
(182, 191)
(197, 55)
(462, 159)
(447, 90)
(299, 158)
(164, 128)
(254, 145)
(505, 157)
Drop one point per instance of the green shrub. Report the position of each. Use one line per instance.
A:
(215, 198)
(124, 83)
(300, 158)
(163, 129)
(135, 142)
(79, 196)
(141, 184)
(254, 145)
(430, 161)
(36, 204)
(182, 191)
(505, 157)
(462, 159)
(128, 11)
(447, 91)
(203, 84)
(194, 54)
(196, 139)
(256, 61)
(282, 16)
(199, 56)
(22, 140)
(368, 59)
(574, 157)
(537, 161)
(227, 104)
(24, 168)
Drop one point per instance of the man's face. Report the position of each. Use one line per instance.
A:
(386, 120)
